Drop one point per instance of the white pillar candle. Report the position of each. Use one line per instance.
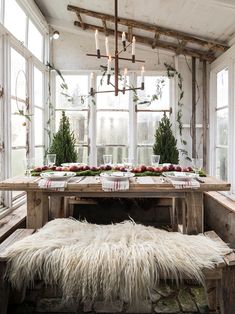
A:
(123, 36)
(109, 65)
(133, 46)
(92, 80)
(125, 73)
(142, 75)
(97, 46)
(107, 46)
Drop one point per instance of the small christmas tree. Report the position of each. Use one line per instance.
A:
(63, 144)
(165, 142)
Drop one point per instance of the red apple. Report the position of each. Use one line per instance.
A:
(157, 169)
(58, 169)
(143, 168)
(86, 168)
(165, 168)
(45, 168)
(37, 169)
(178, 168)
(171, 167)
(122, 169)
(108, 167)
(150, 169)
(93, 168)
(102, 167)
(73, 168)
(190, 169)
(185, 169)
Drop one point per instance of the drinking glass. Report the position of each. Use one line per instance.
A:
(197, 165)
(108, 159)
(50, 160)
(128, 163)
(155, 160)
(29, 165)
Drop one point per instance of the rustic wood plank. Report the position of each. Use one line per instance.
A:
(56, 207)
(37, 209)
(194, 103)
(210, 44)
(194, 212)
(228, 289)
(205, 114)
(211, 294)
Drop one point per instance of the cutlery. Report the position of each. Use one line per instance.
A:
(200, 180)
(80, 179)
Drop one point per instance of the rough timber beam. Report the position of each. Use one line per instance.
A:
(210, 44)
(202, 55)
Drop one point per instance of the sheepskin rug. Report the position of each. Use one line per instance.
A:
(120, 261)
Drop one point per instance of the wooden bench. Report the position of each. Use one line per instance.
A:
(220, 281)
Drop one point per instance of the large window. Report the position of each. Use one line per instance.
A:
(115, 124)
(222, 124)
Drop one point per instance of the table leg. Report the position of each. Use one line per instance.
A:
(37, 209)
(194, 216)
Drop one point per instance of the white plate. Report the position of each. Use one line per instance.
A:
(179, 176)
(57, 175)
(117, 175)
(68, 164)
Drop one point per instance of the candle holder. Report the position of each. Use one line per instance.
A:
(116, 58)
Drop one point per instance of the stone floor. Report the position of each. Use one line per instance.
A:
(167, 299)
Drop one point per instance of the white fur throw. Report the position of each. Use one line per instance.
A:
(120, 261)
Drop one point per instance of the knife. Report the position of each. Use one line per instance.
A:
(200, 180)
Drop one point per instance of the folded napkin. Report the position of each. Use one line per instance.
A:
(191, 184)
(54, 185)
(115, 185)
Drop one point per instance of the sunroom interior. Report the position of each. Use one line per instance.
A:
(117, 125)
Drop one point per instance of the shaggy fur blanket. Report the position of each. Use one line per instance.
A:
(119, 261)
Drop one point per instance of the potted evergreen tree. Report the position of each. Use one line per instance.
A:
(63, 143)
(165, 143)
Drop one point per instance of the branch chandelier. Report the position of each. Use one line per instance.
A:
(116, 59)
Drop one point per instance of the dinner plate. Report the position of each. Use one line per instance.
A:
(117, 175)
(180, 176)
(57, 175)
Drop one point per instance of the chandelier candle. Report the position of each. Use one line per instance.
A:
(97, 46)
(107, 46)
(92, 84)
(124, 41)
(109, 69)
(124, 77)
(133, 49)
(142, 78)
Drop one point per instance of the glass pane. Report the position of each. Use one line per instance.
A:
(222, 127)
(109, 100)
(222, 88)
(118, 154)
(77, 87)
(222, 163)
(39, 156)
(18, 79)
(38, 88)
(144, 155)
(18, 129)
(154, 85)
(147, 124)
(78, 124)
(82, 153)
(15, 19)
(17, 162)
(38, 126)
(35, 41)
(112, 128)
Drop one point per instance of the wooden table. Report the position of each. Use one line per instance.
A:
(140, 187)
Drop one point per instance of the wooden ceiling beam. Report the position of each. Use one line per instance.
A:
(129, 34)
(216, 46)
(155, 39)
(203, 55)
(181, 47)
(80, 20)
(105, 27)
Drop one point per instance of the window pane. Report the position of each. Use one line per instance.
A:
(38, 88)
(18, 130)
(112, 128)
(82, 153)
(222, 88)
(151, 87)
(38, 126)
(15, 19)
(144, 155)
(39, 156)
(78, 124)
(17, 162)
(222, 127)
(77, 87)
(109, 100)
(18, 80)
(147, 124)
(35, 41)
(222, 163)
(118, 154)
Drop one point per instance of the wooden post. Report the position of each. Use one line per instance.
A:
(228, 290)
(37, 209)
(194, 212)
(116, 49)
(205, 114)
(193, 120)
